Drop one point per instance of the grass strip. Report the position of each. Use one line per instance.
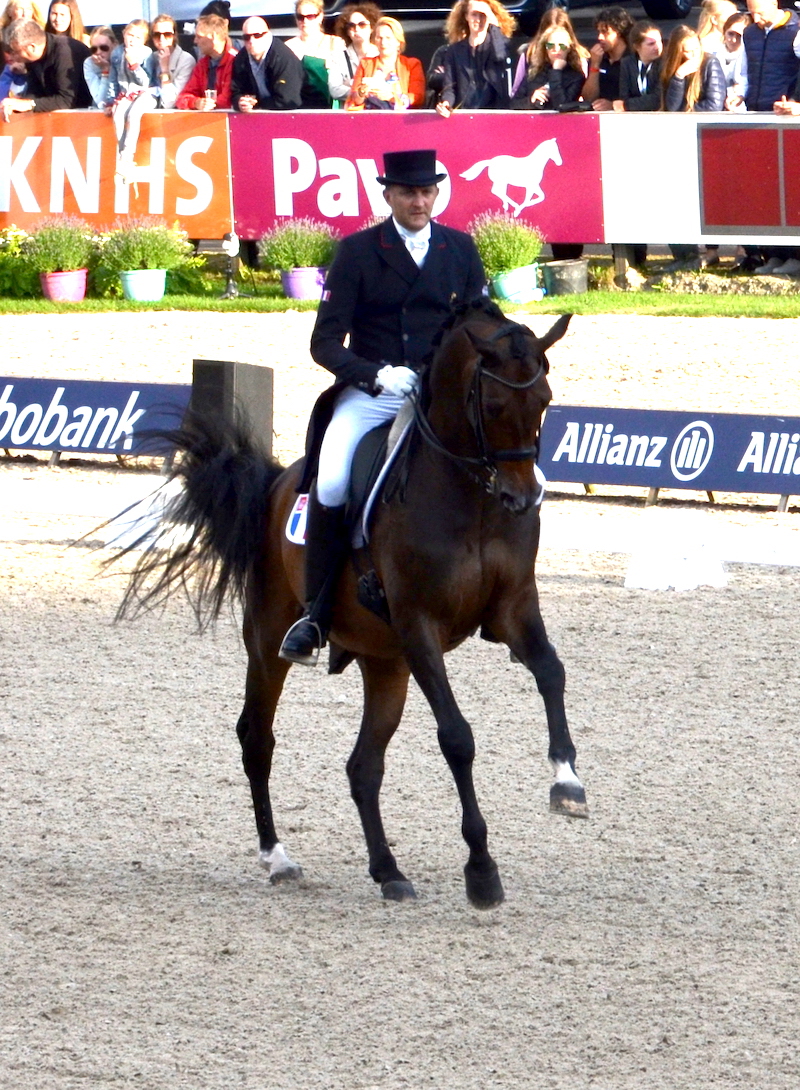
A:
(594, 302)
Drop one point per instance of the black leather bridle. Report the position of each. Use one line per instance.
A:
(487, 458)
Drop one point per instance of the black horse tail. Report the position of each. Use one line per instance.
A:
(211, 534)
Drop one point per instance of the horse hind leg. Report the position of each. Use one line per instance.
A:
(266, 674)
(385, 688)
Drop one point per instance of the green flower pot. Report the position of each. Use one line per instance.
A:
(518, 285)
(144, 285)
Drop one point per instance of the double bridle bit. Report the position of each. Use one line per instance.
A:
(487, 459)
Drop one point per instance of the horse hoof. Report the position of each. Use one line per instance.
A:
(286, 874)
(280, 867)
(398, 891)
(484, 888)
(568, 799)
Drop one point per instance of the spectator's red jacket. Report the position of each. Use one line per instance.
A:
(198, 82)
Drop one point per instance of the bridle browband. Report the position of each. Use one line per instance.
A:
(487, 459)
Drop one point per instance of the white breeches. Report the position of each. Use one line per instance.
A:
(355, 414)
(128, 119)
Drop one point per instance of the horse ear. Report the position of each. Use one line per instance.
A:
(556, 332)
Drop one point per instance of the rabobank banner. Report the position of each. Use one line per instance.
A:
(97, 417)
(723, 452)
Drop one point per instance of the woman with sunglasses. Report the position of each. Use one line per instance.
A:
(312, 41)
(556, 71)
(102, 41)
(314, 49)
(354, 26)
(168, 66)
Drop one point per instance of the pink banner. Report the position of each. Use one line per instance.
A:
(542, 168)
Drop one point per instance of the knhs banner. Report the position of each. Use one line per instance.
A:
(542, 168)
(97, 417)
(56, 163)
(724, 452)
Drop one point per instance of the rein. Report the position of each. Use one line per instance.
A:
(487, 459)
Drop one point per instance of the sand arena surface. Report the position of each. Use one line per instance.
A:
(655, 946)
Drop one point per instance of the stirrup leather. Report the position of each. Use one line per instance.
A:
(303, 653)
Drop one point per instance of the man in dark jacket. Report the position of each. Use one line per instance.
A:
(266, 74)
(389, 290)
(772, 49)
(54, 66)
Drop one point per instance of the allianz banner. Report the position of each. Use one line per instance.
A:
(97, 417)
(723, 452)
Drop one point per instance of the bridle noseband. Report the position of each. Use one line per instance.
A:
(487, 458)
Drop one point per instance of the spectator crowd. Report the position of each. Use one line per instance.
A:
(733, 61)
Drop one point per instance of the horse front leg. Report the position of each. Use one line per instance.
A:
(525, 635)
(424, 655)
(385, 689)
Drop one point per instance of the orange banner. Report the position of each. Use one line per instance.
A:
(65, 163)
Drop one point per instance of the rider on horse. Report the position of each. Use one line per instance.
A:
(389, 289)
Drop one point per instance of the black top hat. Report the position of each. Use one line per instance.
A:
(410, 168)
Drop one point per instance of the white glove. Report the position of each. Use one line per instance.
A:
(400, 381)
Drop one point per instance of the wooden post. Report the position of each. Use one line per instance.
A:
(242, 391)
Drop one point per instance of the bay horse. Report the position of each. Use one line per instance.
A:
(453, 543)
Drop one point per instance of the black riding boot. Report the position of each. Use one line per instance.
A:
(325, 551)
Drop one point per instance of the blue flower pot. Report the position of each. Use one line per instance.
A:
(518, 285)
(144, 285)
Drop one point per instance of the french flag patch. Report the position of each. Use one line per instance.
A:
(296, 524)
(326, 296)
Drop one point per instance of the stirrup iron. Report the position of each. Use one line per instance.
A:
(300, 656)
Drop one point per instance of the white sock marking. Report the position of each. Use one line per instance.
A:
(564, 774)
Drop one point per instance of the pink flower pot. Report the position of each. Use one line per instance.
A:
(64, 287)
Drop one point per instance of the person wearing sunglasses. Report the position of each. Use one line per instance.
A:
(311, 39)
(168, 66)
(314, 48)
(555, 73)
(266, 74)
(102, 41)
(354, 26)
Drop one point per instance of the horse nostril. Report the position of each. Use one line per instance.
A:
(517, 505)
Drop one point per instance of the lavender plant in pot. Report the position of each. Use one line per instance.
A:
(60, 250)
(301, 250)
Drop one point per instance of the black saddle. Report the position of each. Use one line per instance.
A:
(367, 464)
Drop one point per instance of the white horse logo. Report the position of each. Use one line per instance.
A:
(525, 173)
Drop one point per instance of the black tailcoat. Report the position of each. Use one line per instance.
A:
(391, 309)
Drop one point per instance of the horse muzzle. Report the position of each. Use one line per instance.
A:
(520, 495)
